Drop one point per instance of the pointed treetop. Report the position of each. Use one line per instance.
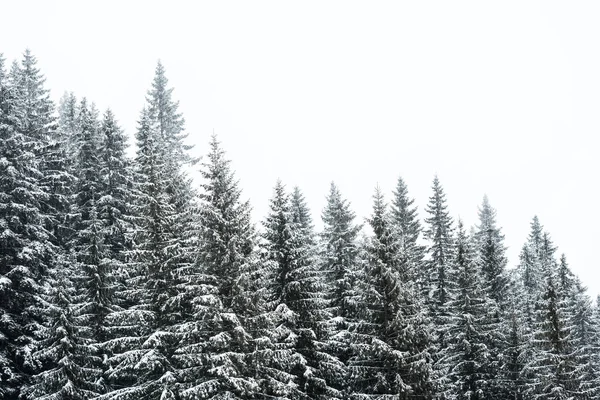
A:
(2, 70)
(300, 211)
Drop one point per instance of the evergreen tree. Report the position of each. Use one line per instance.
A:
(169, 123)
(26, 251)
(406, 222)
(516, 351)
(340, 268)
(553, 366)
(468, 355)
(220, 355)
(439, 273)
(582, 329)
(439, 232)
(95, 275)
(67, 350)
(492, 253)
(392, 359)
(142, 366)
(288, 252)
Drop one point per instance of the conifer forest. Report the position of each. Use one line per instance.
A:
(122, 278)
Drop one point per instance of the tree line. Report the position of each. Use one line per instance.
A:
(120, 279)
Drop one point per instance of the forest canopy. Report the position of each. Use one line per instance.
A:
(123, 278)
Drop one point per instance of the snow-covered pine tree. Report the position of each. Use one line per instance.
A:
(441, 250)
(392, 358)
(439, 233)
(552, 371)
(490, 255)
(217, 347)
(170, 131)
(312, 332)
(95, 277)
(288, 253)
(468, 356)
(491, 252)
(516, 351)
(26, 251)
(583, 331)
(340, 269)
(405, 220)
(114, 204)
(141, 366)
(67, 351)
(68, 121)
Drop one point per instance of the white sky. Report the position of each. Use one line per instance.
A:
(495, 97)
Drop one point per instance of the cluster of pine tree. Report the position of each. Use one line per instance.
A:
(121, 281)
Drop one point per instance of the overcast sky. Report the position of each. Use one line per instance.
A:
(495, 97)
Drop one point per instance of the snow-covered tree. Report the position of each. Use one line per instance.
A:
(405, 220)
(67, 349)
(552, 369)
(467, 358)
(26, 251)
(296, 298)
(392, 358)
(491, 253)
(340, 269)
(439, 233)
(216, 361)
(141, 366)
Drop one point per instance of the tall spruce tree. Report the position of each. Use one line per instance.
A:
(468, 355)
(26, 251)
(67, 350)
(439, 233)
(552, 369)
(439, 285)
(95, 276)
(340, 268)
(288, 250)
(405, 220)
(491, 252)
(142, 363)
(220, 355)
(392, 360)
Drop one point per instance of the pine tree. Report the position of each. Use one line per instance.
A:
(516, 351)
(392, 359)
(582, 329)
(117, 183)
(163, 110)
(439, 232)
(219, 356)
(288, 252)
(95, 275)
(340, 268)
(68, 353)
(492, 253)
(553, 366)
(439, 272)
(26, 251)
(406, 222)
(468, 355)
(142, 366)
